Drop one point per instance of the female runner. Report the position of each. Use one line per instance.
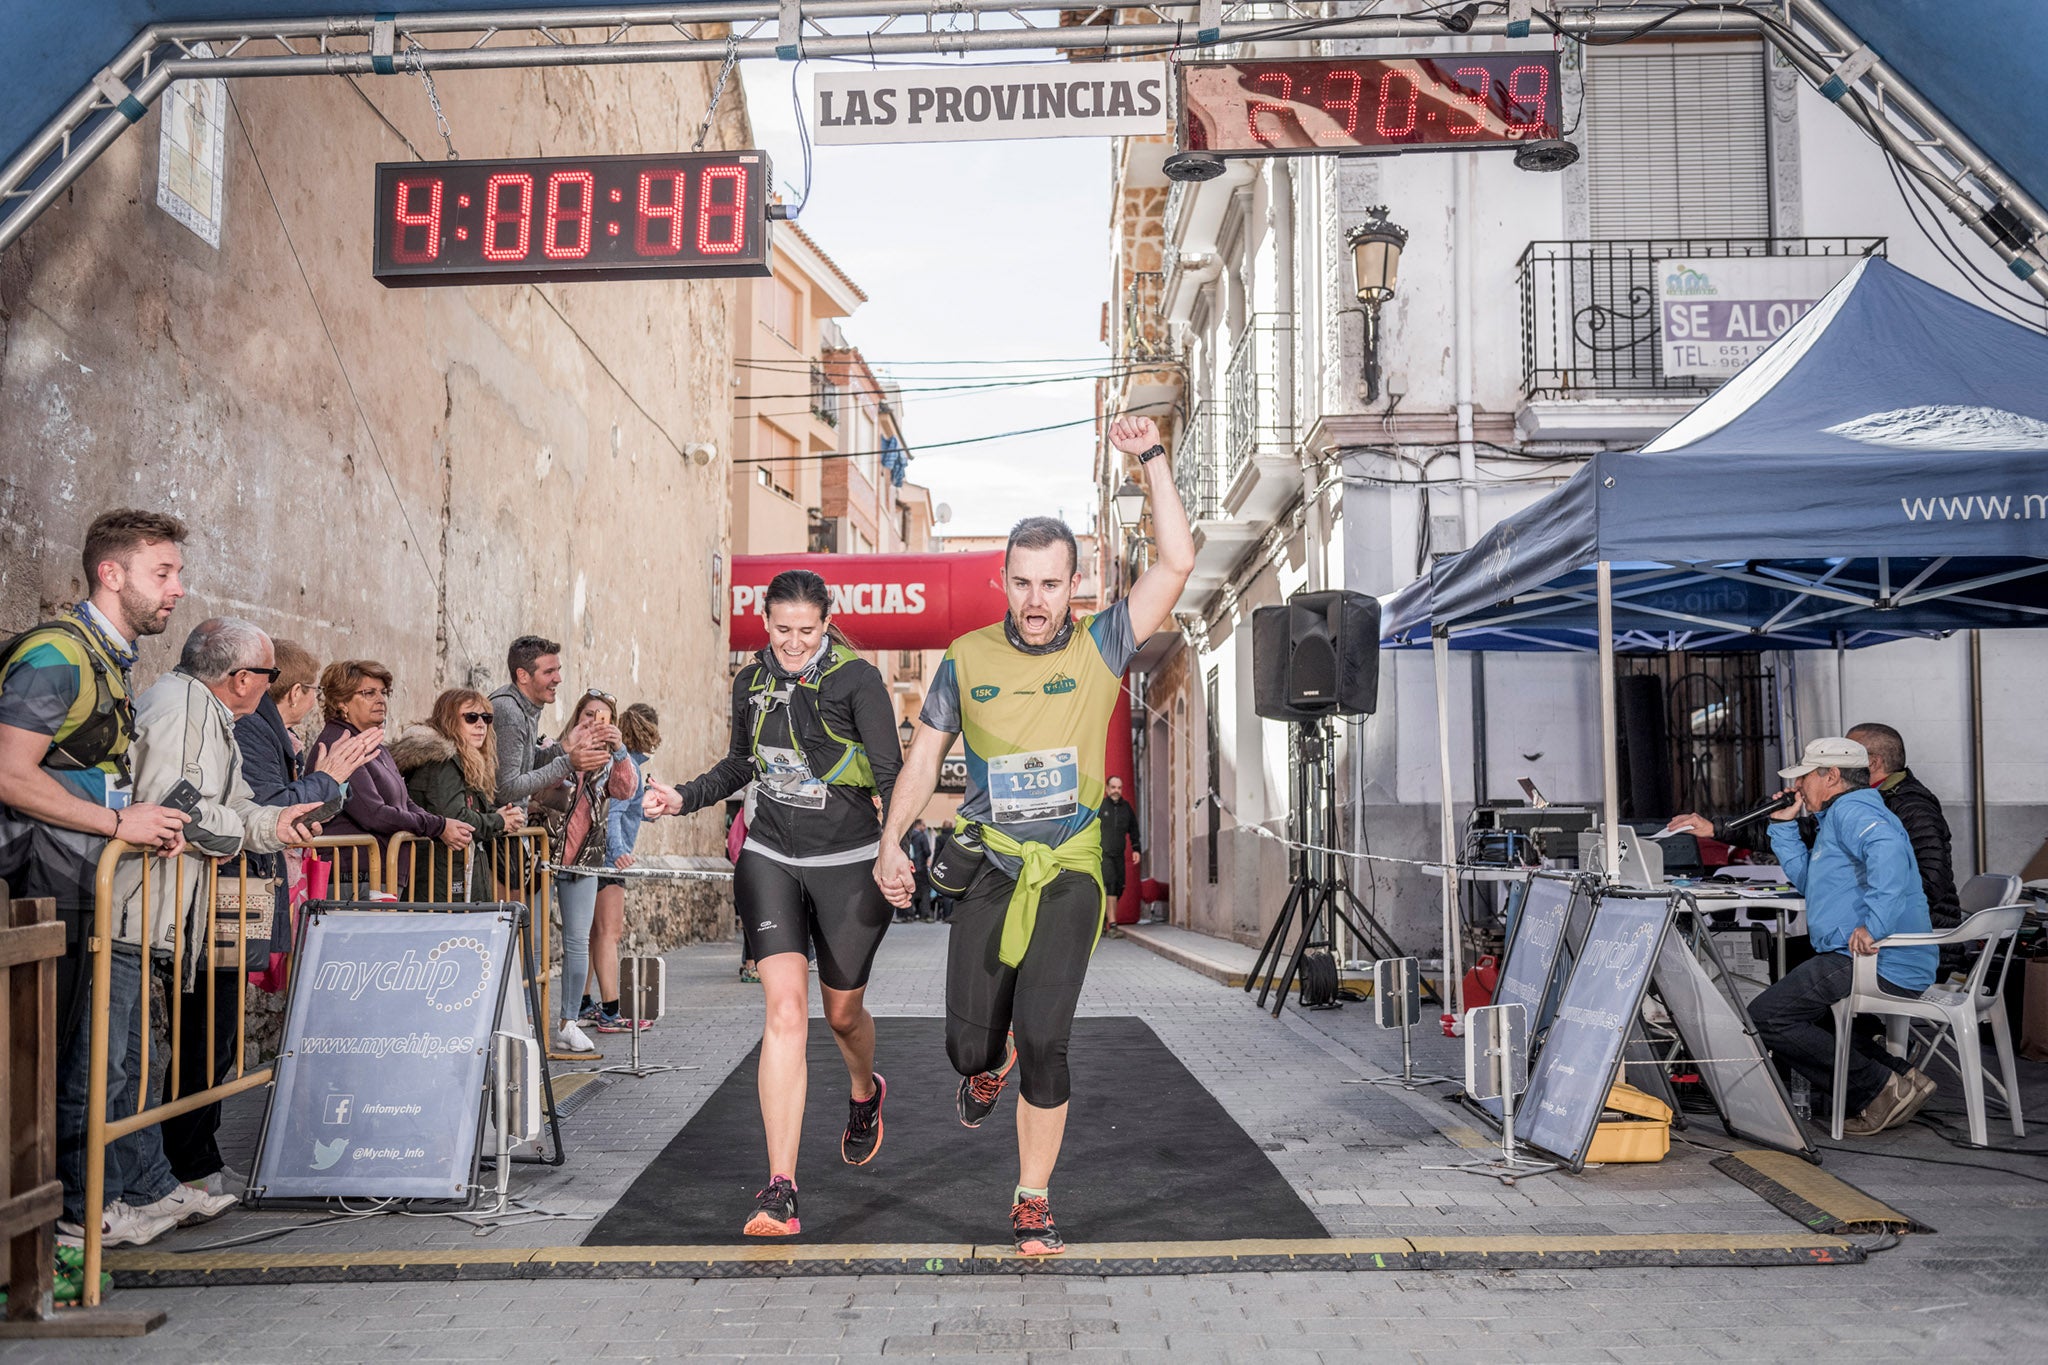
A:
(813, 725)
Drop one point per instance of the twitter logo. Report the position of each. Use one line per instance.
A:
(325, 1154)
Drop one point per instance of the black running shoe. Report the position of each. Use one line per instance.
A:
(775, 1211)
(863, 1135)
(1031, 1225)
(979, 1092)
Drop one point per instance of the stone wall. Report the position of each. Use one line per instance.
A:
(416, 476)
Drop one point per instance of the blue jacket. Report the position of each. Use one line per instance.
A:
(274, 772)
(1861, 872)
(622, 822)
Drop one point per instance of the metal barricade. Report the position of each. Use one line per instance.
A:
(428, 871)
(517, 865)
(363, 861)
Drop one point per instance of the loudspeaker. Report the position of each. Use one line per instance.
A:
(1645, 749)
(1319, 655)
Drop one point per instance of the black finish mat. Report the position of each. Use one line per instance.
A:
(1150, 1156)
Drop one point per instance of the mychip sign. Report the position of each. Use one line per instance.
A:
(1715, 314)
(380, 1074)
(990, 103)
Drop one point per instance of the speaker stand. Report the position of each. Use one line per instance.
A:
(1318, 892)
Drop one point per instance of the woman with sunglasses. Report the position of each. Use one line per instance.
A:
(450, 762)
(575, 814)
(814, 728)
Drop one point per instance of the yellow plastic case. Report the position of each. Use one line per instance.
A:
(1645, 1135)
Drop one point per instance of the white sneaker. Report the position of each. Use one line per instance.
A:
(572, 1038)
(226, 1180)
(120, 1226)
(189, 1204)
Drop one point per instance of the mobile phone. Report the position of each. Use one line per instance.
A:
(183, 797)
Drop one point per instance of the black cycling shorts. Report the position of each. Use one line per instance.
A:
(785, 909)
(986, 1001)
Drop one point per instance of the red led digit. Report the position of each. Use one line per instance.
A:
(1379, 120)
(496, 215)
(1539, 102)
(551, 244)
(709, 209)
(406, 219)
(651, 212)
(1348, 103)
(1285, 83)
(1474, 99)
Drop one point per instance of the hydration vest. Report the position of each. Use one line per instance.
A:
(833, 759)
(108, 729)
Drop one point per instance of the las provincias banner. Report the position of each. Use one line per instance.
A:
(990, 103)
(880, 601)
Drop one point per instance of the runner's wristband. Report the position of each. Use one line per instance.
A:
(1151, 453)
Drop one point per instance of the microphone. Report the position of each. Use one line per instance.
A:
(1776, 803)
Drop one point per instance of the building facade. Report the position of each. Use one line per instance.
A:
(1520, 338)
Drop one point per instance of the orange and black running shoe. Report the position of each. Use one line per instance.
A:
(1031, 1225)
(863, 1135)
(775, 1211)
(979, 1092)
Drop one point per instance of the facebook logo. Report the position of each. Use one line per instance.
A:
(339, 1107)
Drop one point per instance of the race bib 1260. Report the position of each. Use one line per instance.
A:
(1045, 785)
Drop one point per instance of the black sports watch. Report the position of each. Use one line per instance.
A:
(1151, 453)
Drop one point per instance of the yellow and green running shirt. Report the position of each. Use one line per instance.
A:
(49, 689)
(1035, 725)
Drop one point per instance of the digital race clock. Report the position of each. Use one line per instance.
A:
(1368, 104)
(682, 216)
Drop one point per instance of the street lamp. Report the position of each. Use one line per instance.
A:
(904, 732)
(1129, 502)
(1375, 262)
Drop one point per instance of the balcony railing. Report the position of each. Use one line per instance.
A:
(1589, 309)
(824, 397)
(1255, 416)
(1196, 471)
(1146, 337)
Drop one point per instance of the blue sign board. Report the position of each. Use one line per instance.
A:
(1569, 1084)
(380, 1078)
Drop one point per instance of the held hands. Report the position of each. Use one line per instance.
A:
(514, 817)
(1134, 435)
(661, 799)
(294, 830)
(457, 834)
(894, 874)
(1793, 811)
(340, 760)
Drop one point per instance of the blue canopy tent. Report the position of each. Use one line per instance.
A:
(1880, 471)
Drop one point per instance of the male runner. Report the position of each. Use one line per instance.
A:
(1033, 696)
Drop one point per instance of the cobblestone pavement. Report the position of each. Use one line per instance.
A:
(1356, 1154)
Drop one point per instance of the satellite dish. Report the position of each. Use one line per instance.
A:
(943, 513)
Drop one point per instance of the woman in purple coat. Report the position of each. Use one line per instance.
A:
(355, 694)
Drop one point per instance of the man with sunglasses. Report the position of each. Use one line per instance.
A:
(185, 747)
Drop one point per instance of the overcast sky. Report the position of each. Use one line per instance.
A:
(995, 253)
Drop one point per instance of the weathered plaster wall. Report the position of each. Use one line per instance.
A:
(414, 475)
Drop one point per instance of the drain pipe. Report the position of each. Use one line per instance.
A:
(1464, 204)
(1982, 842)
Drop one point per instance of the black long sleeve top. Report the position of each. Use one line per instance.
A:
(791, 817)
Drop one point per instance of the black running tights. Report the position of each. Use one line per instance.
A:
(986, 1001)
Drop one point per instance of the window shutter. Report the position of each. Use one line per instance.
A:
(1676, 144)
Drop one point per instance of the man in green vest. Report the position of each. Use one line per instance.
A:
(1033, 696)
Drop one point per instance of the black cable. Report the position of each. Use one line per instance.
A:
(348, 382)
(922, 446)
(803, 133)
(1960, 260)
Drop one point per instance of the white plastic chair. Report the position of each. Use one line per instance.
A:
(1988, 889)
(1957, 1010)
